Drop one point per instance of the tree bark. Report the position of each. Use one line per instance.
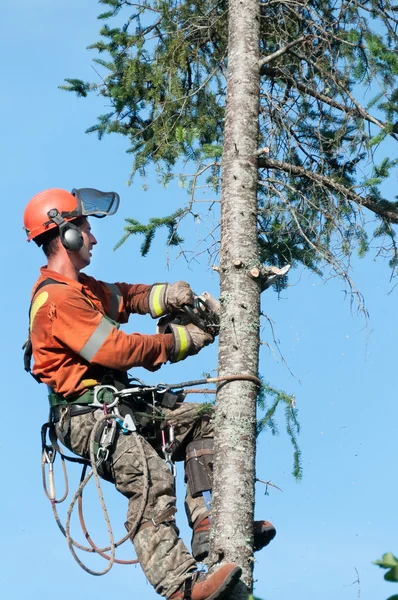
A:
(235, 421)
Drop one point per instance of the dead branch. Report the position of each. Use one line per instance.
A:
(297, 171)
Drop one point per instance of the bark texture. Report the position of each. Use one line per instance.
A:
(233, 495)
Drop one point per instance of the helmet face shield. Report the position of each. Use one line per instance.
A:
(83, 202)
(91, 202)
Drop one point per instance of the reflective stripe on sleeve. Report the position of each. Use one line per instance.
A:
(115, 299)
(157, 300)
(96, 339)
(182, 342)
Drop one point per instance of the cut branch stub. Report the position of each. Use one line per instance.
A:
(268, 275)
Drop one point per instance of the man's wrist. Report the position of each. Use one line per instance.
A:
(157, 300)
(182, 342)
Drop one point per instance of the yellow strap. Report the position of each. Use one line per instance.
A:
(37, 303)
(88, 383)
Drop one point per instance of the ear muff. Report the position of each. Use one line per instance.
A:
(71, 238)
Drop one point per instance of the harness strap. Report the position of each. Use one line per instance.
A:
(58, 400)
(165, 517)
(88, 351)
(27, 357)
(198, 453)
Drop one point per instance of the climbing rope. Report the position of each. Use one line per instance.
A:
(48, 457)
(78, 497)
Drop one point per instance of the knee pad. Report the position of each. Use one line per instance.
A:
(199, 466)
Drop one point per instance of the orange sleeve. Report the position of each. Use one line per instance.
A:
(121, 299)
(135, 298)
(88, 333)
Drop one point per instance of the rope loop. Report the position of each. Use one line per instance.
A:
(49, 452)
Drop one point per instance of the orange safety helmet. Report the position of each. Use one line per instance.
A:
(70, 205)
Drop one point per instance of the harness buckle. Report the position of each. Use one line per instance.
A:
(97, 403)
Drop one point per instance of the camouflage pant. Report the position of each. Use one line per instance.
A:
(164, 557)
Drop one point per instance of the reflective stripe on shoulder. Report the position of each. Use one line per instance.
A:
(115, 300)
(36, 304)
(96, 339)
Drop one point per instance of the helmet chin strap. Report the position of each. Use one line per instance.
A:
(71, 238)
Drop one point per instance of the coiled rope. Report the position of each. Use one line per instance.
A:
(48, 457)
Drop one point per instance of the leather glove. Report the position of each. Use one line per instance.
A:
(188, 340)
(165, 298)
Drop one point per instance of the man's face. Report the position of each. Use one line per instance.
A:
(88, 242)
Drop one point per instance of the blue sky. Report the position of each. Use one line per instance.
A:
(343, 514)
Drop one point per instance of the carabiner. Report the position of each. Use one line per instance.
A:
(97, 403)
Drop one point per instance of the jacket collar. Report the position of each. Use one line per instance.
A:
(46, 273)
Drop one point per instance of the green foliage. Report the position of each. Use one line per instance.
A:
(206, 409)
(267, 421)
(155, 68)
(390, 562)
(78, 86)
(170, 222)
(164, 66)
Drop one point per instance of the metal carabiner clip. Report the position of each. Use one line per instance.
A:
(97, 403)
(171, 466)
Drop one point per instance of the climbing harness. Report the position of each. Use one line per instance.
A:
(99, 452)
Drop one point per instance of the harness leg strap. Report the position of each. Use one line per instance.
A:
(167, 516)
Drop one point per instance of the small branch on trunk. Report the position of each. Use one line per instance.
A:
(270, 57)
(267, 275)
(267, 483)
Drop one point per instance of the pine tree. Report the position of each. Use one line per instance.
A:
(328, 106)
(235, 423)
(298, 107)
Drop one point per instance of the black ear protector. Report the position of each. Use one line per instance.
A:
(70, 235)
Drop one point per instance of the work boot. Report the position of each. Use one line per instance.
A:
(264, 533)
(208, 587)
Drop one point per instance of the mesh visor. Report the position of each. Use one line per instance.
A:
(94, 203)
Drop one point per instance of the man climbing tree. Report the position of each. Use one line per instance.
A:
(82, 356)
(77, 347)
(320, 80)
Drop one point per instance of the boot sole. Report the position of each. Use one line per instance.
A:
(263, 538)
(228, 582)
(200, 548)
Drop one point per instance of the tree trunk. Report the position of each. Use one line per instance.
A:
(233, 495)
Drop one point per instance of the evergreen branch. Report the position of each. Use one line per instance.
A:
(385, 209)
(171, 223)
(344, 88)
(380, 10)
(291, 420)
(325, 253)
(277, 53)
(357, 111)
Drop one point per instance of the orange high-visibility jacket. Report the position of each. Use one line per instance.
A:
(73, 341)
